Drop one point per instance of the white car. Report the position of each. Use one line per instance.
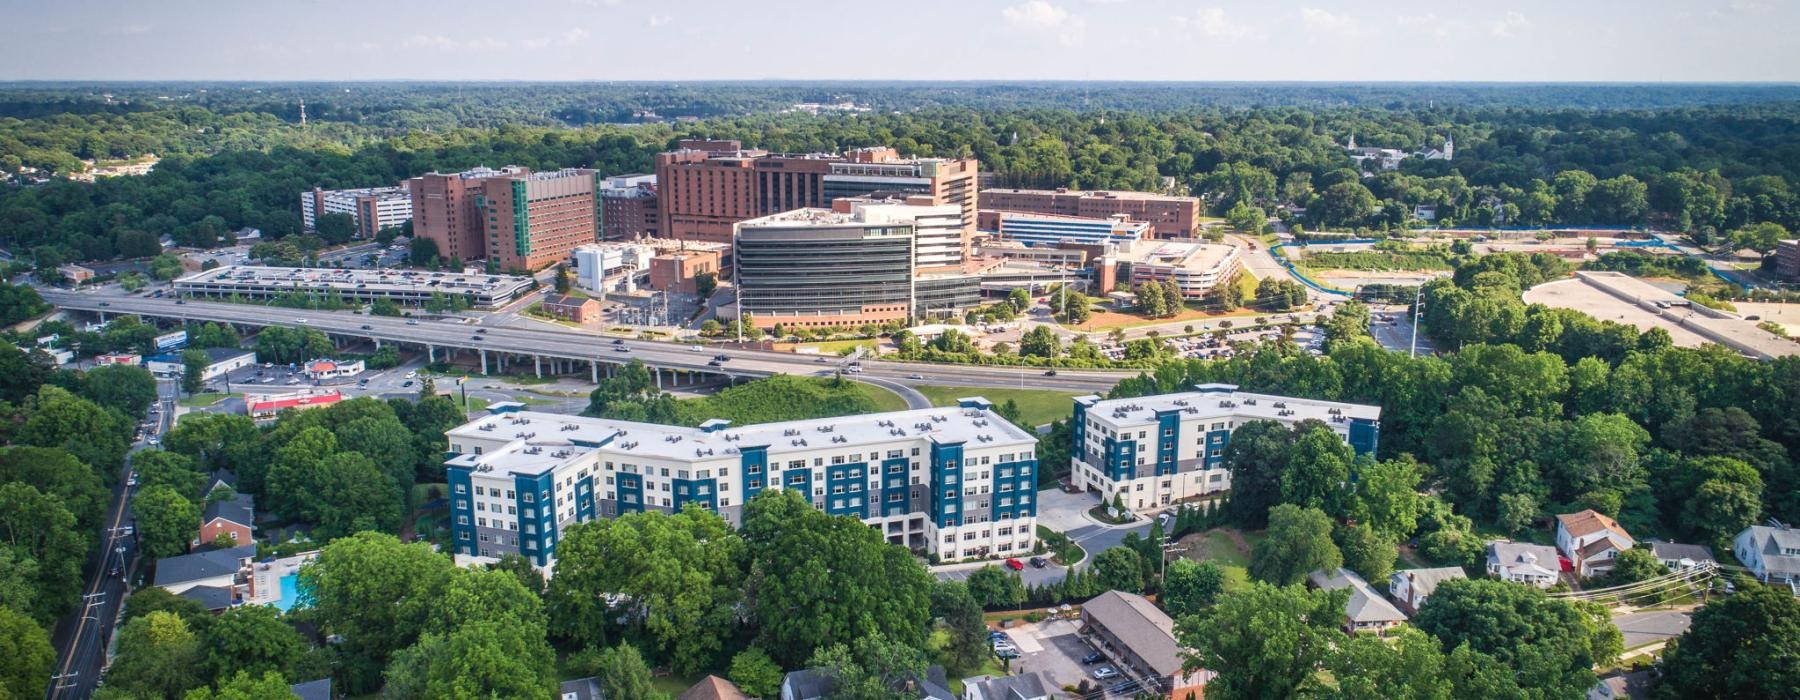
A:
(412, 373)
(299, 320)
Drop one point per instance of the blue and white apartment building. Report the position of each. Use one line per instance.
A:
(958, 482)
(1156, 450)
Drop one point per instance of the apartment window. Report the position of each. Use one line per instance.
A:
(480, 506)
(462, 504)
(509, 493)
(460, 488)
(462, 519)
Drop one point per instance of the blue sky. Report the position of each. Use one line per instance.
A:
(1504, 40)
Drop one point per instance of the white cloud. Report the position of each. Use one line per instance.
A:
(131, 29)
(1041, 17)
(1211, 23)
(1428, 24)
(1509, 26)
(659, 20)
(535, 43)
(1326, 22)
(444, 43)
(575, 36)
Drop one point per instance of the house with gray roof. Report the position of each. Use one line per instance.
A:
(205, 567)
(214, 598)
(580, 689)
(312, 690)
(1410, 587)
(1366, 610)
(1770, 552)
(1523, 562)
(819, 684)
(1134, 633)
(1025, 686)
(1682, 557)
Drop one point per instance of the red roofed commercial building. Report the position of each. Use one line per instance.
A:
(267, 406)
(119, 359)
(324, 368)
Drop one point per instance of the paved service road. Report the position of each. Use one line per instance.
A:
(521, 344)
(1652, 627)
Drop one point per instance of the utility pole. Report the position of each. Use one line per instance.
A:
(1418, 307)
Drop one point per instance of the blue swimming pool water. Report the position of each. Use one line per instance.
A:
(290, 592)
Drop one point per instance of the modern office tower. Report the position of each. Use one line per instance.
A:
(1172, 217)
(447, 211)
(704, 187)
(956, 482)
(1151, 451)
(814, 268)
(373, 208)
(535, 220)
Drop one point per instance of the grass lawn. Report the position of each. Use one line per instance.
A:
(884, 400)
(1228, 547)
(202, 400)
(530, 400)
(1036, 406)
(835, 347)
(477, 404)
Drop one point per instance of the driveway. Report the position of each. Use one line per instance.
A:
(1652, 627)
(1062, 511)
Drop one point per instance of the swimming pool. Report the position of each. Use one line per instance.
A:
(290, 593)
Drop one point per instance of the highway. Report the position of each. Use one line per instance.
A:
(82, 637)
(522, 344)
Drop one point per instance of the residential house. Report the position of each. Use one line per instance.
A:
(580, 689)
(1770, 552)
(1683, 557)
(713, 688)
(1366, 610)
(232, 517)
(1025, 686)
(312, 690)
(215, 599)
(1522, 562)
(1622, 686)
(1591, 541)
(1137, 635)
(816, 684)
(1410, 587)
(210, 567)
(571, 308)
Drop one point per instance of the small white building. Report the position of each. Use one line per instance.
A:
(1591, 541)
(1521, 562)
(1771, 552)
(219, 362)
(325, 368)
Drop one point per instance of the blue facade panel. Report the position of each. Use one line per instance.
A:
(845, 490)
(755, 461)
(585, 509)
(536, 507)
(1121, 459)
(1363, 435)
(702, 491)
(629, 493)
(946, 484)
(462, 519)
(893, 486)
(1015, 490)
(1168, 441)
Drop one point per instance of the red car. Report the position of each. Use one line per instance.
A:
(1015, 565)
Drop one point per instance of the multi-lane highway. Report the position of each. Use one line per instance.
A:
(524, 345)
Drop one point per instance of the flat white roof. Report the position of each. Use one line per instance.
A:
(1211, 400)
(556, 436)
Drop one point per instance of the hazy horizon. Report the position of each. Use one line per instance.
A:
(1227, 41)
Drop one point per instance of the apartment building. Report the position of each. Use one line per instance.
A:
(958, 482)
(705, 187)
(1170, 216)
(373, 208)
(1152, 451)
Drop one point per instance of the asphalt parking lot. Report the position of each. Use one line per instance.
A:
(1056, 647)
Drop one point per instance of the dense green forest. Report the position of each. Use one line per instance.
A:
(1705, 159)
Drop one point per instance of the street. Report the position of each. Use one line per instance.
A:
(81, 639)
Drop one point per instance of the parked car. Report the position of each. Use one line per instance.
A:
(406, 383)
(1093, 657)
(1038, 563)
(1015, 565)
(1105, 672)
(412, 373)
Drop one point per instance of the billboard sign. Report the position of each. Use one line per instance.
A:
(171, 341)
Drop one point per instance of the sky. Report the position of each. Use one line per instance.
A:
(667, 40)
